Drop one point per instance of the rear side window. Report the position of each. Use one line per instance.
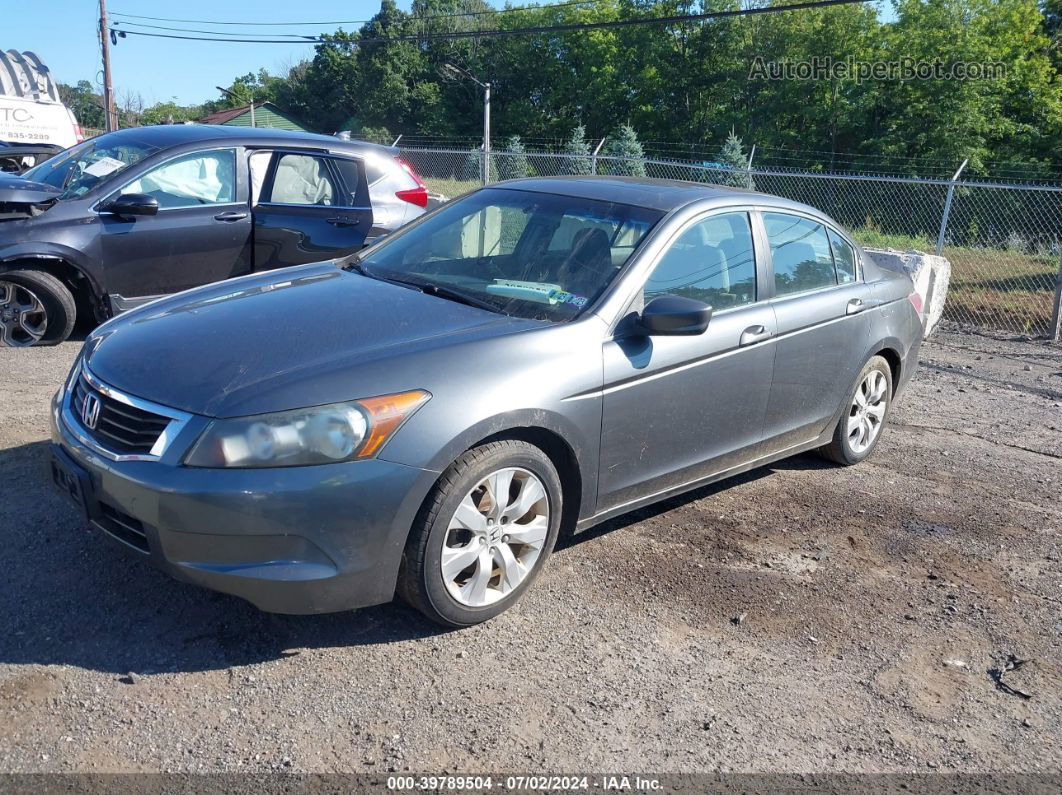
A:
(303, 179)
(712, 261)
(350, 171)
(800, 252)
(843, 258)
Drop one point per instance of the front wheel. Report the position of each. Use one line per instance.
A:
(859, 428)
(35, 309)
(483, 535)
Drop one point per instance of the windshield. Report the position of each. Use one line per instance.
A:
(80, 169)
(533, 255)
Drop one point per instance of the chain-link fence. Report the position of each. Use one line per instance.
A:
(1004, 241)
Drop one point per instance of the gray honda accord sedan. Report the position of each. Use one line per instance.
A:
(425, 418)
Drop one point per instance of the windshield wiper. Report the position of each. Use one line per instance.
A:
(450, 293)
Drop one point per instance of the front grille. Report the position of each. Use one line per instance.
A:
(123, 527)
(120, 427)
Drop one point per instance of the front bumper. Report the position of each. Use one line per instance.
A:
(290, 540)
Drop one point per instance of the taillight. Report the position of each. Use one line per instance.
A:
(417, 195)
(916, 302)
(78, 134)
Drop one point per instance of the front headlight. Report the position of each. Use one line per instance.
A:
(304, 437)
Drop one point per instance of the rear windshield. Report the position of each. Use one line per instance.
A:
(527, 254)
(95, 162)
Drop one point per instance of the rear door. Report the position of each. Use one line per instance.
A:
(311, 206)
(201, 234)
(823, 330)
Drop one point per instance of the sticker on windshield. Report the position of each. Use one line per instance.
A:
(563, 297)
(103, 167)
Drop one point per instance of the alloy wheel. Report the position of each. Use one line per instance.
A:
(23, 318)
(867, 412)
(495, 537)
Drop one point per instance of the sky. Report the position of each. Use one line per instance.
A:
(64, 34)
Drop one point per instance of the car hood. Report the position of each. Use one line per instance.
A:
(291, 338)
(16, 190)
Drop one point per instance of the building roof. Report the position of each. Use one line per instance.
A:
(266, 115)
(223, 116)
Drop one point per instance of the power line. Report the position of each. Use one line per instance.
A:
(498, 32)
(348, 21)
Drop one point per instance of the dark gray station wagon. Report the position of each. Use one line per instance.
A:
(539, 355)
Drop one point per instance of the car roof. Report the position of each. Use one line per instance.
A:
(655, 194)
(168, 135)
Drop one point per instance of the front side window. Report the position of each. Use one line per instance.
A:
(712, 261)
(528, 254)
(194, 180)
(843, 258)
(800, 252)
(303, 179)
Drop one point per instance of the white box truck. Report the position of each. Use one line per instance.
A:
(31, 111)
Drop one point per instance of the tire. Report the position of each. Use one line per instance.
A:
(35, 309)
(849, 444)
(468, 595)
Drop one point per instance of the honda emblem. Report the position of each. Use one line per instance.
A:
(90, 412)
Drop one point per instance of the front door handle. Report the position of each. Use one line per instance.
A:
(230, 216)
(754, 334)
(854, 306)
(344, 221)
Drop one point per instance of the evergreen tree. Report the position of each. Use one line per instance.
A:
(733, 157)
(578, 151)
(472, 169)
(513, 164)
(624, 144)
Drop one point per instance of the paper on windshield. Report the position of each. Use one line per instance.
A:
(103, 167)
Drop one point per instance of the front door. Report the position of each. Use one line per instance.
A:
(679, 408)
(201, 234)
(823, 331)
(311, 207)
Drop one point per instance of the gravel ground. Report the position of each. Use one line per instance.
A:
(801, 618)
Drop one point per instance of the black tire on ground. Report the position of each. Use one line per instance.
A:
(840, 449)
(420, 579)
(54, 296)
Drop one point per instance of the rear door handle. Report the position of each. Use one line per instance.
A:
(854, 306)
(754, 334)
(230, 216)
(344, 221)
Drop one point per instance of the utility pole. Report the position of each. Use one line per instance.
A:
(486, 133)
(110, 115)
(485, 168)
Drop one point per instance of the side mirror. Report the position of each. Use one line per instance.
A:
(132, 204)
(675, 315)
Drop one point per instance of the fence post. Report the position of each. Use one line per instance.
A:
(593, 162)
(947, 207)
(1056, 315)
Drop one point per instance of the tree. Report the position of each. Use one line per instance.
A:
(472, 168)
(170, 113)
(733, 157)
(578, 153)
(513, 163)
(86, 104)
(623, 144)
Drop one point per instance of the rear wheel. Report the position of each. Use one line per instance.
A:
(35, 309)
(859, 428)
(483, 535)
